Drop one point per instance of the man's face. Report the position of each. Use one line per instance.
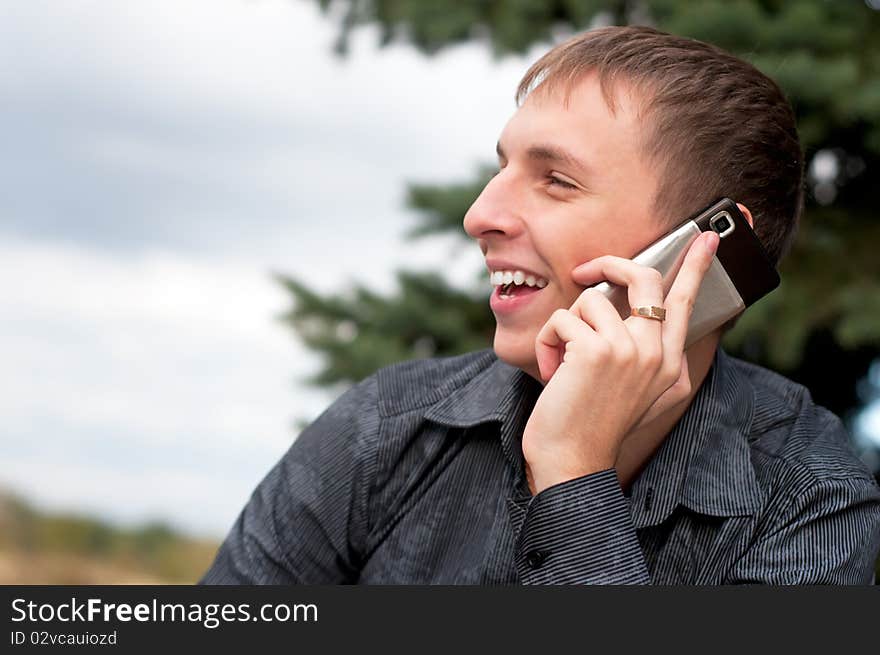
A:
(573, 185)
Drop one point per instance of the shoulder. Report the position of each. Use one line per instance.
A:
(411, 385)
(419, 383)
(793, 437)
(388, 405)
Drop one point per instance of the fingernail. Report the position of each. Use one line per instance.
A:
(711, 242)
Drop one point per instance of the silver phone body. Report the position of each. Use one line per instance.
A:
(718, 299)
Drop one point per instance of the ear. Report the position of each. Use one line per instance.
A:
(745, 211)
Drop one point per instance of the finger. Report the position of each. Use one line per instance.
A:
(672, 397)
(681, 388)
(644, 284)
(682, 295)
(644, 288)
(594, 309)
(562, 328)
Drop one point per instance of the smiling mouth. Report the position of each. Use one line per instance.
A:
(513, 290)
(517, 283)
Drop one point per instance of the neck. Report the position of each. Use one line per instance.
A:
(641, 444)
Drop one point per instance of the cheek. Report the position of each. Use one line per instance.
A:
(567, 290)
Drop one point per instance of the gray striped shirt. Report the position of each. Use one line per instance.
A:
(415, 475)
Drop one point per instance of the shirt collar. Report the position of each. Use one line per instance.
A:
(501, 393)
(704, 463)
(484, 397)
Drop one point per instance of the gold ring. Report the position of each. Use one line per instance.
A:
(650, 311)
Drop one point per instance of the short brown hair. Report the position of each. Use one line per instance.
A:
(716, 125)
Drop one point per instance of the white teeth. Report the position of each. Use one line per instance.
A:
(498, 278)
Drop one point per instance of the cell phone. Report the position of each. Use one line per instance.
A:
(740, 274)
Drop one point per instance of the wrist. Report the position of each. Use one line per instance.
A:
(541, 477)
(550, 462)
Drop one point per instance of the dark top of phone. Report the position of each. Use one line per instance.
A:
(741, 253)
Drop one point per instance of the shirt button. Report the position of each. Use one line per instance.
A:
(535, 558)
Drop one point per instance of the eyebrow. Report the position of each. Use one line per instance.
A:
(543, 152)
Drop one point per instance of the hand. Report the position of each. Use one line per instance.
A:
(604, 375)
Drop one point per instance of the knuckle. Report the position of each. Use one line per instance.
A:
(626, 352)
(588, 302)
(652, 276)
(652, 359)
(685, 302)
(590, 297)
(671, 372)
(601, 351)
(688, 306)
(686, 387)
(675, 298)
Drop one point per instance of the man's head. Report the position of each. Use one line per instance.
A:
(622, 133)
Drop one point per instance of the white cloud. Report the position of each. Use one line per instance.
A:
(154, 359)
(188, 119)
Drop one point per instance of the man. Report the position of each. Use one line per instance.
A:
(585, 448)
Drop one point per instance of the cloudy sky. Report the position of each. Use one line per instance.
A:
(159, 160)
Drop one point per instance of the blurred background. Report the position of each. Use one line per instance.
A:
(217, 215)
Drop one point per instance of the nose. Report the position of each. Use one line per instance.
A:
(494, 213)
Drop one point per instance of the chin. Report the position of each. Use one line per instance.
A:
(517, 350)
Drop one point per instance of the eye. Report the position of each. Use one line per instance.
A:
(558, 181)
